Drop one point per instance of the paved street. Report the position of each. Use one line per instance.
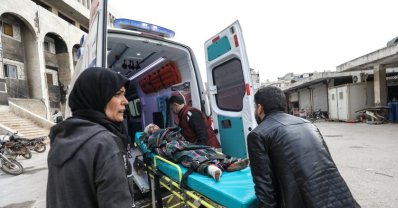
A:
(365, 154)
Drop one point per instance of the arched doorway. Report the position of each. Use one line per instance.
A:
(57, 70)
(18, 55)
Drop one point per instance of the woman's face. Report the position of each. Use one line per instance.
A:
(115, 107)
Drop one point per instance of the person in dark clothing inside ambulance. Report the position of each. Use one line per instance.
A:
(193, 123)
(87, 162)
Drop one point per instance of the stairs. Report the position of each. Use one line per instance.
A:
(23, 126)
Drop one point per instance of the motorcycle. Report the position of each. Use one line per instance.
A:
(9, 165)
(35, 144)
(317, 115)
(15, 146)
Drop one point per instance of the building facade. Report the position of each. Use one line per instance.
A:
(38, 46)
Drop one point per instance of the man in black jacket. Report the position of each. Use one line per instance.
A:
(290, 162)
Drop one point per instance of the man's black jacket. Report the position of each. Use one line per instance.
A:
(292, 167)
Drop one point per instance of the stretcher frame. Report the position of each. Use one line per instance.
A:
(186, 197)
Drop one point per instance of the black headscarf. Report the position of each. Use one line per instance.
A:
(92, 91)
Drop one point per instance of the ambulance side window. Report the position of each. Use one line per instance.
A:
(135, 107)
(228, 77)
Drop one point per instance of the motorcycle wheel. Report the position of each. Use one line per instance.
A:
(27, 154)
(40, 147)
(13, 168)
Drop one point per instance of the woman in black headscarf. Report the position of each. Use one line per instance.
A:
(87, 161)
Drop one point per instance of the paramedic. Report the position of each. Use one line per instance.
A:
(206, 160)
(87, 163)
(290, 162)
(194, 125)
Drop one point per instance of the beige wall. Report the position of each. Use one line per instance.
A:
(35, 106)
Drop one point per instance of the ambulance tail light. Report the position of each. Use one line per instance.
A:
(236, 41)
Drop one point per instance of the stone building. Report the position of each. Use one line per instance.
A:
(38, 45)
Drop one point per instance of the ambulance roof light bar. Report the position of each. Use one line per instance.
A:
(144, 27)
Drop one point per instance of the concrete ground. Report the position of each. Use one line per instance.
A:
(366, 156)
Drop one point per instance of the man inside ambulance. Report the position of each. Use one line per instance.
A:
(193, 123)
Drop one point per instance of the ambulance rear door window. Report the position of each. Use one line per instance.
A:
(228, 77)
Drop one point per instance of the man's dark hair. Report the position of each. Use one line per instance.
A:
(271, 98)
(176, 99)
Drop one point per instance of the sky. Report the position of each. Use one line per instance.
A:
(280, 36)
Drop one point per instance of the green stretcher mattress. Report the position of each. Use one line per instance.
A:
(235, 189)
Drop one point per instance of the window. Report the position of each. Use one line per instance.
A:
(135, 107)
(84, 29)
(49, 45)
(228, 77)
(7, 29)
(40, 3)
(66, 18)
(50, 80)
(46, 46)
(340, 95)
(10, 71)
(332, 96)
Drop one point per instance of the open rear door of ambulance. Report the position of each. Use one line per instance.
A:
(230, 89)
(93, 45)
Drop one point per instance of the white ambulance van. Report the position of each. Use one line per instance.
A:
(159, 67)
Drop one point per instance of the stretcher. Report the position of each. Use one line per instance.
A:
(235, 189)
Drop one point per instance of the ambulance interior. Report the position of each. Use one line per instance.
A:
(157, 69)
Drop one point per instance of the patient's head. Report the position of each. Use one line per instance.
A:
(150, 128)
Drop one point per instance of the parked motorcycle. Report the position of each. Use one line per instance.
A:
(317, 115)
(15, 146)
(9, 165)
(35, 144)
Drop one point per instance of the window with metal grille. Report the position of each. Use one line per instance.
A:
(10, 71)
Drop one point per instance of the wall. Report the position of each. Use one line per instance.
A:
(64, 74)
(12, 49)
(35, 106)
(305, 100)
(319, 97)
(50, 59)
(3, 95)
(23, 112)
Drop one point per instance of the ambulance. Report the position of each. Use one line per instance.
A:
(159, 67)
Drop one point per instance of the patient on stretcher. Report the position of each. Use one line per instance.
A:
(169, 143)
